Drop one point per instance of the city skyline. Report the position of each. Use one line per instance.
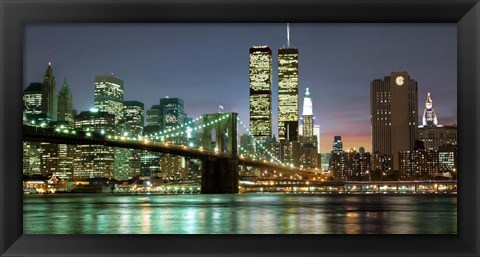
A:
(338, 111)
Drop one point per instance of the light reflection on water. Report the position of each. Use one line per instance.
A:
(239, 214)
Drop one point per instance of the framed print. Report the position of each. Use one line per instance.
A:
(160, 128)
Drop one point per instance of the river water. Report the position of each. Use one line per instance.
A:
(239, 214)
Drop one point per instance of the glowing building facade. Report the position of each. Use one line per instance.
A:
(172, 112)
(94, 161)
(429, 116)
(32, 100)
(127, 161)
(288, 94)
(109, 95)
(261, 92)
(394, 115)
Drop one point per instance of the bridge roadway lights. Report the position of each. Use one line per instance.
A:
(219, 176)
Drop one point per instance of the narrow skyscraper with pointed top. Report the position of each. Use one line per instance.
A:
(49, 103)
(65, 104)
(429, 116)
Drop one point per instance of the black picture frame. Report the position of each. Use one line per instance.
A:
(15, 15)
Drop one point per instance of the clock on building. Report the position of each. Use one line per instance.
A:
(399, 80)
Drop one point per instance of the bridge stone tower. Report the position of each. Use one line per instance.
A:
(220, 174)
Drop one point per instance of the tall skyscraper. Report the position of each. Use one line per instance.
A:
(310, 157)
(394, 115)
(49, 93)
(127, 161)
(65, 104)
(173, 113)
(94, 161)
(133, 117)
(32, 100)
(307, 116)
(288, 92)
(109, 95)
(261, 92)
(429, 116)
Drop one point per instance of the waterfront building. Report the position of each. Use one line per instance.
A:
(419, 164)
(65, 104)
(49, 93)
(448, 157)
(260, 100)
(350, 165)
(394, 115)
(94, 161)
(174, 166)
(149, 163)
(48, 158)
(109, 95)
(31, 158)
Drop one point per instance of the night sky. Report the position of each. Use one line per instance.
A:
(207, 65)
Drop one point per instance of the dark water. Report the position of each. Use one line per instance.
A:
(243, 213)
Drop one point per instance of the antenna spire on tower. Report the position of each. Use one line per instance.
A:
(49, 57)
(288, 35)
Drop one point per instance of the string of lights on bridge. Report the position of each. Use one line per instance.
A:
(180, 130)
(256, 142)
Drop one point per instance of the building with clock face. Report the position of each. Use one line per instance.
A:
(394, 115)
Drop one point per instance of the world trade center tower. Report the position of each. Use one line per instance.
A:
(288, 93)
(261, 92)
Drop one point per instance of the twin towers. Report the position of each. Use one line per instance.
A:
(261, 92)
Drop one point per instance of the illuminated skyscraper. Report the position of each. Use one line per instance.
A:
(172, 112)
(309, 140)
(429, 116)
(261, 92)
(32, 100)
(288, 92)
(308, 118)
(49, 94)
(94, 161)
(127, 161)
(65, 104)
(394, 115)
(132, 118)
(109, 95)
